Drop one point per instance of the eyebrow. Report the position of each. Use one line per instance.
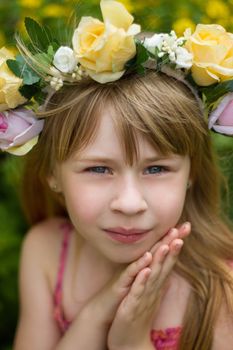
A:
(104, 160)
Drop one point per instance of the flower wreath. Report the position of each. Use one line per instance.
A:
(104, 51)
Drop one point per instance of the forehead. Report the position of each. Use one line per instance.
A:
(108, 141)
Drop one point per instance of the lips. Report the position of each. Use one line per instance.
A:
(127, 236)
(126, 232)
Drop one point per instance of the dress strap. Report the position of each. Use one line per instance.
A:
(58, 310)
(167, 339)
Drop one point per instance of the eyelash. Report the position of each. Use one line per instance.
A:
(94, 170)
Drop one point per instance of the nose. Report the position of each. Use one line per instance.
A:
(129, 198)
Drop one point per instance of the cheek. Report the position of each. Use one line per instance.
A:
(83, 204)
(170, 205)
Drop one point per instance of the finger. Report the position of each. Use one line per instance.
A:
(139, 283)
(127, 277)
(170, 259)
(184, 230)
(158, 260)
(146, 288)
(132, 300)
(176, 246)
(170, 235)
(181, 231)
(163, 262)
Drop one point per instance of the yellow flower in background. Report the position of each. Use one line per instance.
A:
(30, 3)
(217, 9)
(128, 4)
(205, 20)
(54, 10)
(9, 83)
(20, 26)
(180, 25)
(212, 49)
(141, 5)
(2, 39)
(153, 21)
(103, 48)
(223, 22)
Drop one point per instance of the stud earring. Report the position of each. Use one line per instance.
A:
(54, 187)
(189, 184)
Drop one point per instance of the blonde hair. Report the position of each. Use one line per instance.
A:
(166, 112)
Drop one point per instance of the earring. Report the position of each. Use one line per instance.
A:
(189, 184)
(54, 187)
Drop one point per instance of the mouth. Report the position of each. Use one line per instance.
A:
(126, 235)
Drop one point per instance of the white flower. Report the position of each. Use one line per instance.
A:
(56, 83)
(187, 33)
(170, 43)
(184, 59)
(65, 60)
(54, 72)
(156, 41)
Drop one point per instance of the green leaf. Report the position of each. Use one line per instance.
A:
(22, 70)
(214, 92)
(28, 91)
(141, 70)
(51, 51)
(141, 57)
(14, 66)
(43, 58)
(142, 53)
(55, 45)
(40, 36)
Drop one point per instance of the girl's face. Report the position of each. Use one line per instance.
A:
(120, 210)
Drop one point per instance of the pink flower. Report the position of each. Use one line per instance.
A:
(3, 123)
(221, 119)
(19, 130)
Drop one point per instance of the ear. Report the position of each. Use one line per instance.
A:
(53, 183)
(189, 184)
(190, 177)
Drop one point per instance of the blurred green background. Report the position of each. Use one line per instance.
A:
(155, 15)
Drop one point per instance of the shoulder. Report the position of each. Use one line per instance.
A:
(223, 335)
(41, 247)
(46, 229)
(40, 253)
(44, 235)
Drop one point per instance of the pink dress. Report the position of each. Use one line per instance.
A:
(166, 339)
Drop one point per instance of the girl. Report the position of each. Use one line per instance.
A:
(127, 168)
(122, 177)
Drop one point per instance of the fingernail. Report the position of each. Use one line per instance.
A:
(165, 250)
(178, 245)
(146, 255)
(186, 225)
(173, 232)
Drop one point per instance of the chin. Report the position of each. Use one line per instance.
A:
(126, 257)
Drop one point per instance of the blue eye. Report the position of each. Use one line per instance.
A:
(98, 169)
(155, 169)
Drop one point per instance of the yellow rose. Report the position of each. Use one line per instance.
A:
(212, 49)
(103, 48)
(9, 83)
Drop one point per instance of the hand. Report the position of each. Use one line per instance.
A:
(106, 302)
(181, 232)
(133, 321)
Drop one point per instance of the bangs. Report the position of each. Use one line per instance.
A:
(159, 108)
